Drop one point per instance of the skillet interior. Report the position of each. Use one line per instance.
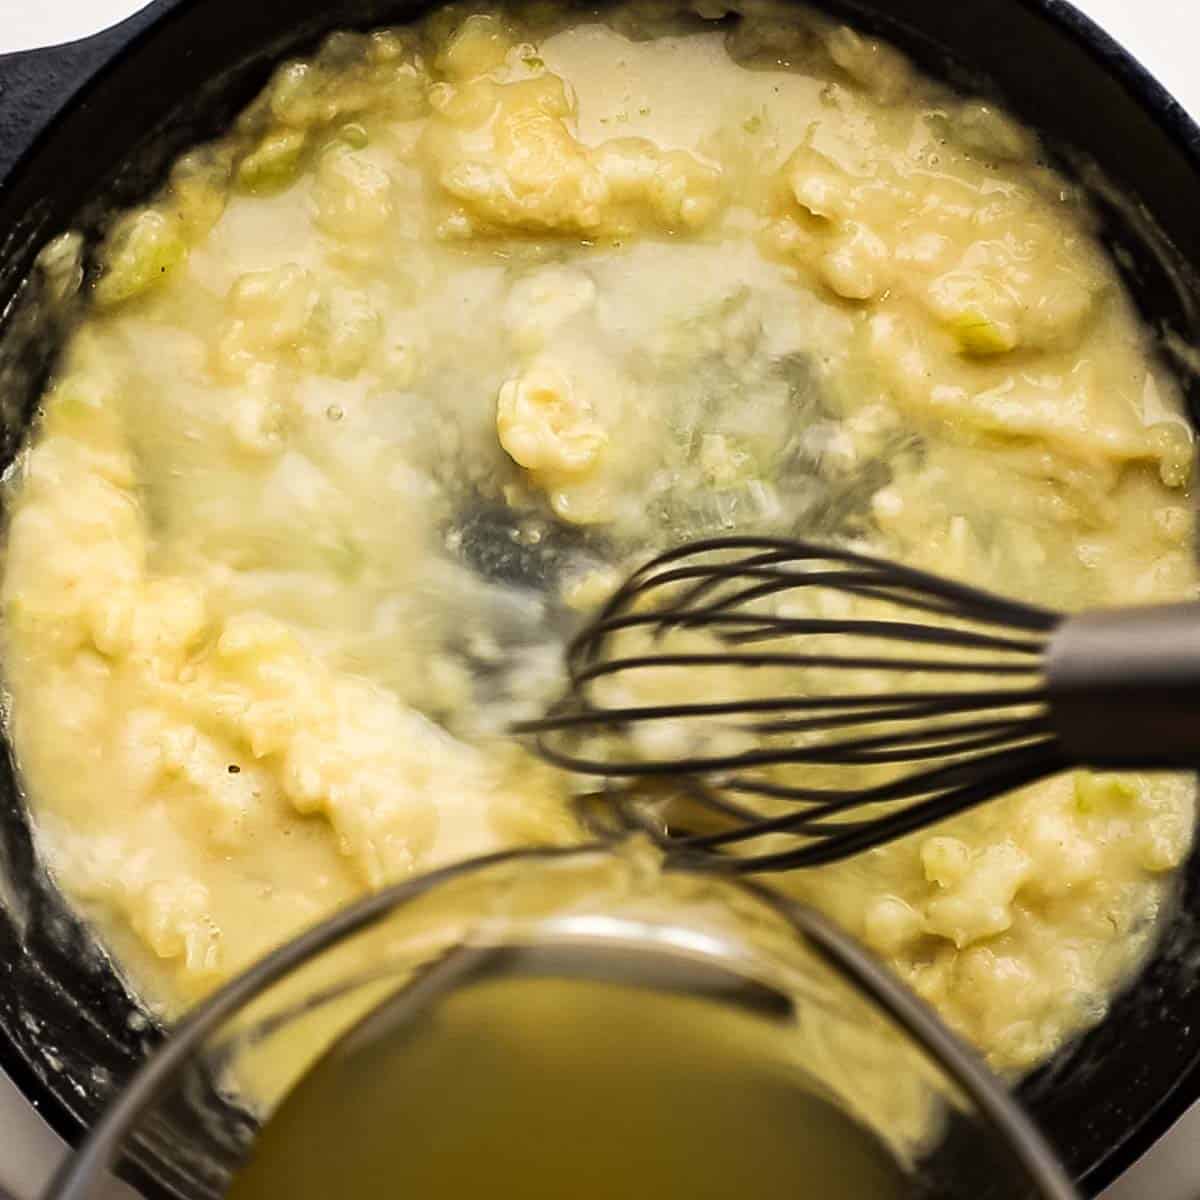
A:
(69, 1032)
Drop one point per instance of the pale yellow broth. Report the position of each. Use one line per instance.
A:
(620, 282)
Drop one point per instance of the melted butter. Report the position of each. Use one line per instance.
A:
(633, 89)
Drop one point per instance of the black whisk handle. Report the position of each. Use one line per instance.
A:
(1124, 686)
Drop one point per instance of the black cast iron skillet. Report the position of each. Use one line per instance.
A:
(90, 126)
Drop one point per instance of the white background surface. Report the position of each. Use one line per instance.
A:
(1164, 34)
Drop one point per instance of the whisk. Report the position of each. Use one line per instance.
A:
(970, 695)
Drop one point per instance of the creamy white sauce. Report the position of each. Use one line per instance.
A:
(608, 293)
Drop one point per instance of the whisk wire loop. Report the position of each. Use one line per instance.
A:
(910, 670)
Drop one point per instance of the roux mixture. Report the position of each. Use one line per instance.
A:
(458, 322)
